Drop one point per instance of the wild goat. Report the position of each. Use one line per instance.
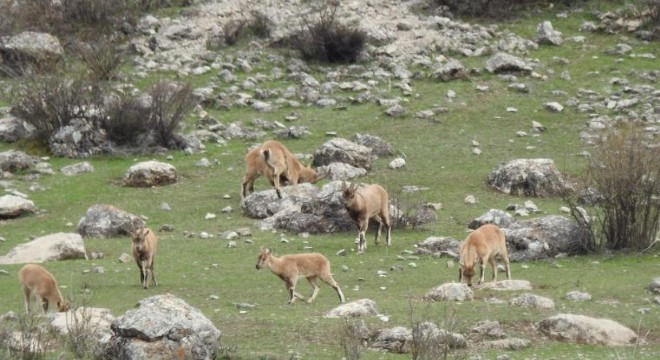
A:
(274, 161)
(144, 248)
(483, 245)
(40, 285)
(290, 267)
(370, 202)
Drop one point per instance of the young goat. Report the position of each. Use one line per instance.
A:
(40, 285)
(481, 246)
(144, 248)
(290, 267)
(274, 161)
(370, 202)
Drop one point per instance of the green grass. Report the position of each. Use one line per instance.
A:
(438, 154)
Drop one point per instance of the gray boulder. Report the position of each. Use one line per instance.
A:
(105, 221)
(13, 161)
(379, 147)
(528, 177)
(506, 285)
(532, 301)
(345, 151)
(449, 71)
(543, 237)
(439, 246)
(582, 329)
(29, 52)
(79, 168)
(431, 340)
(362, 307)
(340, 171)
(493, 216)
(654, 286)
(450, 292)
(545, 34)
(503, 63)
(150, 173)
(396, 340)
(13, 129)
(78, 139)
(163, 327)
(12, 206)
(59, 246)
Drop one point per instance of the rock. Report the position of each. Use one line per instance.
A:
(150, 173)
(450, 292)
(545, 34)
(79, 139)
(12, 206)
(13, 129)
(13, 161)
(90, 322)
(503, 62)
(506, 285)
(439, 246)
(489, 328)
(397, 163)
(578, 296)
(362, 307)
(544, 237)
(379, 147)
(29, 53)
(582, 329)
(532, 301)
(493, 216)
(345, 151)
(449, 71)
(340, 171)
(396, 111)
(79, 168)
(397, 340)
(59, 246)
(105, 221)
(163, 327)
(529, 177)
(654, 286)
(513, 344)
(554, 107)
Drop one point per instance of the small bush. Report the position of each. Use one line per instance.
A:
(353, 337)
(102, 59)
(80, 338)
(492, 9)
(50, 102)
(233, 30)
(126, 121)
(169, 104)
(625, 170)
(326, 39)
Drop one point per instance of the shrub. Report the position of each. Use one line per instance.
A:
(50, 102)
(170, 102)
(233, 30)
(352, 337)
(125, 122)
(625, 170)
(257, 24)
(325, 38)
(102, 59)
(494, 9)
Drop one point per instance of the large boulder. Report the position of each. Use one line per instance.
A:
(29, 52)
(582, 329)
(362, 307)
(532, 301)
(528, 177)
(450, 292)
(105, 221)
(90, 322)
(379, 147)
(439, 246)
(493, 216)
(340, 171)
(150, 173)
(59, 246)
(544, 237)
(12, 206)
(545, 34)
(430, 339)
(163, 327)
(13, 161)
(449, 71)
(346, 151)
(80, 138)
(503, 63)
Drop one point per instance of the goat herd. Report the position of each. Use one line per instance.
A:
(274, 161)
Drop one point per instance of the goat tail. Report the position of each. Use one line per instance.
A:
(268, 157)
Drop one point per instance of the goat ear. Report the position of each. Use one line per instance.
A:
(269, 251)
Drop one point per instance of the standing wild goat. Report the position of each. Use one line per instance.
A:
(481, 246)
(290, 267)
(144, 248)
(274, 161)
(370, 202)
(40, 285)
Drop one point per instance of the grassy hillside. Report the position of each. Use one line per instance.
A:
(439, 157)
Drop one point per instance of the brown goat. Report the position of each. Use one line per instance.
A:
(370, 202)
(290, 267)
(481, 246)
(274, 161)
(144, 248)
(40, 285)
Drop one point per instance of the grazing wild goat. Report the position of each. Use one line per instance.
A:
(481, 246)
(144, 248)
(274, 161)
(370, 202)
(290, 267)
(40, 285)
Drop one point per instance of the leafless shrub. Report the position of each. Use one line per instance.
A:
(125, 122)
(233, 30)
(79, 339)
(323, 37)
(411, 210)
(24, 337)
(353, 335)
(102, 59)
(625, 170)
(493, 9)
(428, 341)
(50, 102)
(170, 103)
